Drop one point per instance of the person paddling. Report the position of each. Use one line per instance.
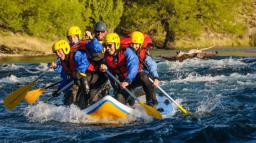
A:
(74, 65)
(147, 68)
(122, 63)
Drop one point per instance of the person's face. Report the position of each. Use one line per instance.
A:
(100, 35)
(135, 46)
(110, 47)
(73, 39)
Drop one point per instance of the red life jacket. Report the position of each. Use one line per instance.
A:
(118, 67)
(82, 46)
(126, 41)
(141, 53)
(69, 64)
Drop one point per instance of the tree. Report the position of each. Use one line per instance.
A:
(168, 20)
(52, 18)
(10, 15)
(108, 11)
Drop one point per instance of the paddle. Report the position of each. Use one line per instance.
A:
(33, 95)
(170, 98)
(59, 91)
(14, 98)
(149, 110)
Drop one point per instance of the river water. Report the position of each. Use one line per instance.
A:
(220, 93)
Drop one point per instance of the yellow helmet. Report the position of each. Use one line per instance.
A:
(61, 44)
(113, 38)
(74, 30)
(137, 37)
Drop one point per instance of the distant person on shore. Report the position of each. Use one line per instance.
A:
(193, 53)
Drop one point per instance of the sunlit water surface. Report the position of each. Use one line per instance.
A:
(220, 93)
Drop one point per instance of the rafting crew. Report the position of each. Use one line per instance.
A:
(132, 65)
(74, 65)
(95, 82)
(74, 36)
(128, 65)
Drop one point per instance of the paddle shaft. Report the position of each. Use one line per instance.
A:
(151, 111)
(167, 95)
(62, 89)
(128, 91)
(170, 98)
(51, 85)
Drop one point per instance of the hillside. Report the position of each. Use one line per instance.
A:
(30, 28)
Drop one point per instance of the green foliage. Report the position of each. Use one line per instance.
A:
(180, 18)
(51, 18)
(108, 11)
(47, 18)
(186, 18)
(10, 15)
(219, 16)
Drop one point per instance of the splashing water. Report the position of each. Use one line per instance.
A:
(43, 112)
(15, 79)
(208, 104)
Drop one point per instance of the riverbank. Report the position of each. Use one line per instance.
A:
(237, 52)
(18, 44)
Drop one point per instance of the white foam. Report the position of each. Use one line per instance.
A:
(15, 79)
(43, 112)
(9, 67)
(208, 104)
(198, 78)
(194, 77)
(199, 63)
(40, 68)
(139, 114)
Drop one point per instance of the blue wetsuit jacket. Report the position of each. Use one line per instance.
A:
(82, 64)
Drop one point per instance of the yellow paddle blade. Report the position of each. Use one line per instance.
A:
(13, 99)
(33, 95)
(183, 110)
(151, 111)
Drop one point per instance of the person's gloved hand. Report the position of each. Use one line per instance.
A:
(55, 93)
(103, 68)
